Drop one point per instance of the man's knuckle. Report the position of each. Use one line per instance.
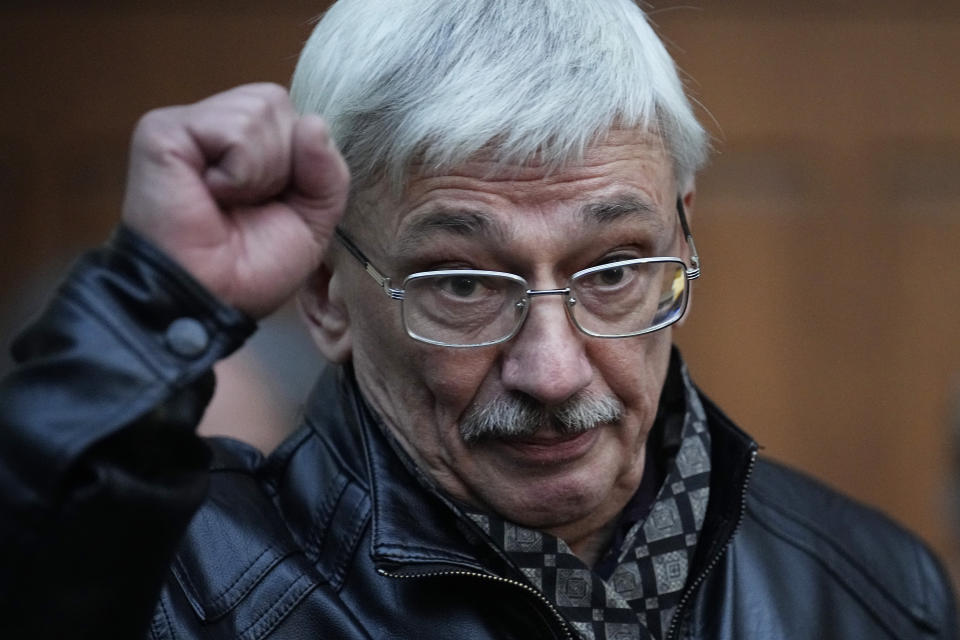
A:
(262, 93)
(152, 120)
(155, 130)
(274, 92)
(272, 103)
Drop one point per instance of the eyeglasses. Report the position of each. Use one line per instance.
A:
(475, 308)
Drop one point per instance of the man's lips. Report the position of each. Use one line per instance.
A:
(550, 447)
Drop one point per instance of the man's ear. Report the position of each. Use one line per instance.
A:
(687, 189)
(325, 312)
(689, 199)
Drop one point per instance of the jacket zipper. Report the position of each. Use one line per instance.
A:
(462, 572)
(674, 629)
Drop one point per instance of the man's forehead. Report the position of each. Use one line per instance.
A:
(467, 221)
(627, 175)
(491, 226)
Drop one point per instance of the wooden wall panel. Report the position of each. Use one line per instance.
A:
(829, 224)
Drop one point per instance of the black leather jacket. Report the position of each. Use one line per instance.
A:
(118, 522)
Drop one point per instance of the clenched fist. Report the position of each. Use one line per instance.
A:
(239, 190)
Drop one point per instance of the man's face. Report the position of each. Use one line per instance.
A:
(619, 203)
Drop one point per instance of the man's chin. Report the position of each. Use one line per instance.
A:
(551, 506)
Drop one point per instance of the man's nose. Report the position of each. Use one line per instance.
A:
(547, 359)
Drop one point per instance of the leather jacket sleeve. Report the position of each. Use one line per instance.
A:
(100, 469)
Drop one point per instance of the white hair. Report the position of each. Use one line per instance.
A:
(433, 82)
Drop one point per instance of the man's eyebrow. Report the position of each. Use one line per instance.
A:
(459, 222)
(617, 208)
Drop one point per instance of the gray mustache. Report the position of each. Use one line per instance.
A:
(517, 415)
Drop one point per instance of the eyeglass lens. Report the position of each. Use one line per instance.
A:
(628, 298)
(463, 309)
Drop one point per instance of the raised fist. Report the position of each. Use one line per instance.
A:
(239, 190)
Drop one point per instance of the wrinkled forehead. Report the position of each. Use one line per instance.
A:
(624, 171)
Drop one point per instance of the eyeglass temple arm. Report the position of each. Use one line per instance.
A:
(354, 250)
(694, 270)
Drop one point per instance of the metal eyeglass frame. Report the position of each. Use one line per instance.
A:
(691, 272)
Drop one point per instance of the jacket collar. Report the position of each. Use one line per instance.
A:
(411, 522)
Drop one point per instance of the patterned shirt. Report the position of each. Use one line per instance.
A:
(634, 589)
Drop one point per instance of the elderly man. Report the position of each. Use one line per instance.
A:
(506, 445)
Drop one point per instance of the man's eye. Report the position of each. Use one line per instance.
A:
(611, 277)
(460, 286)
(612, 280)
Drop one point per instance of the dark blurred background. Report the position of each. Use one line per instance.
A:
(827, 321)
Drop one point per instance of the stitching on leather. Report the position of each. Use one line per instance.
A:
(256, 578)
(318, 532)
(280, 606)
(219, 605)
(423, 553)
(359, 516)
(167, 631)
